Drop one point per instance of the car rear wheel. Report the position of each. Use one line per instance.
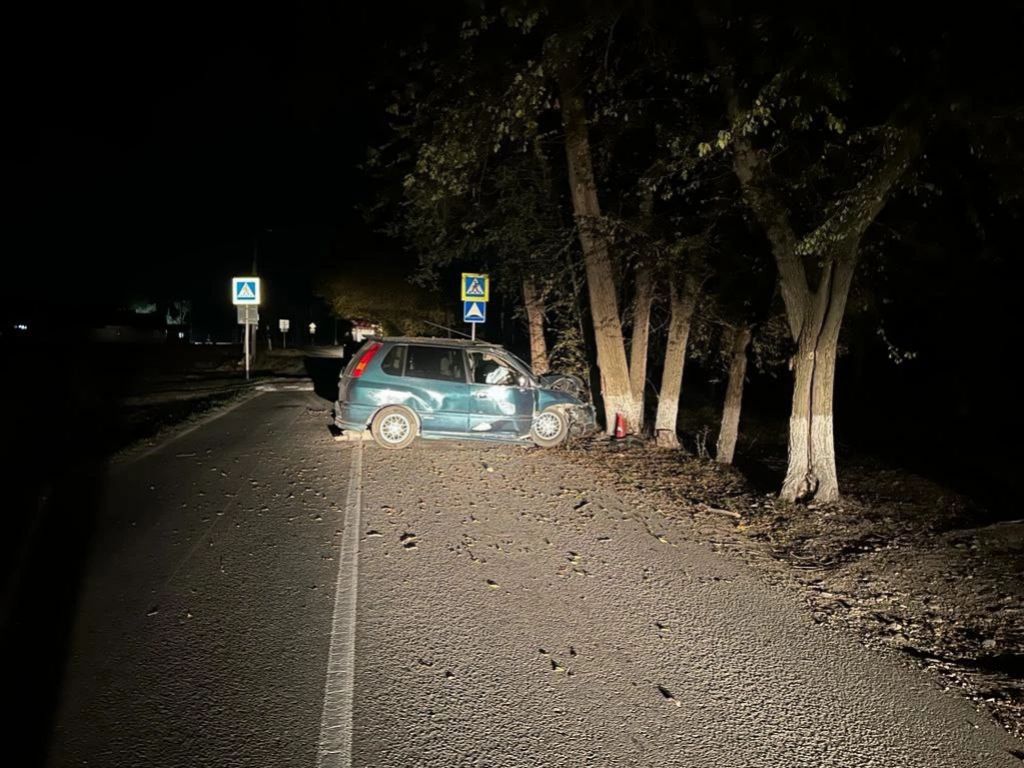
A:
(394, 427)
(550, 428)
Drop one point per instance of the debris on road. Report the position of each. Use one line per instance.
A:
(668, 695)
(906, 565)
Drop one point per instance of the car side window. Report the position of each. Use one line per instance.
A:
(490, 369)
(440, 363)
(394, 361)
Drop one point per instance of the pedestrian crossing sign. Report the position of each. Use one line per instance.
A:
(245, 290)
(475, 287)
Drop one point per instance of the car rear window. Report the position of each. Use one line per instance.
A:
(394, 361)
(441, 363)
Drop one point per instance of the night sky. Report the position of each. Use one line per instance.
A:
(155, 145)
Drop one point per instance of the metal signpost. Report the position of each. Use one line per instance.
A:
(474, 313)
(476, 289)
(245, 295)
(284, 325)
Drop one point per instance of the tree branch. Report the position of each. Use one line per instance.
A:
(751, 170)
(850, 216)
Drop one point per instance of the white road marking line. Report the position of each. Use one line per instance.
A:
(335, 747)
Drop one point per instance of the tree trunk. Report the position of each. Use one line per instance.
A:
(641, 334)
(604, 305)
(683, 300)
(726, 448)
(534, 304)
(812, 463)
(812, 457)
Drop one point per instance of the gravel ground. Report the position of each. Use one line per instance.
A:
(906, 566)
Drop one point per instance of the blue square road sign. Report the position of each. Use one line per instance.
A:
(474, 312)
(245, 290)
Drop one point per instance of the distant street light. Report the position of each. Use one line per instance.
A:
(312, 333)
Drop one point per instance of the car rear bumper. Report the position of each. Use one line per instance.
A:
(352, 416)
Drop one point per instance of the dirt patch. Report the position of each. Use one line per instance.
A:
(905, 564)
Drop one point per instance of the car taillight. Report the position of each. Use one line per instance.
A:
(365, 360)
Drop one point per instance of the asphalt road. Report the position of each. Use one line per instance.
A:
(260, 595)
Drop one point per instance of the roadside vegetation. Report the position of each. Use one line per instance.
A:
(647, 184)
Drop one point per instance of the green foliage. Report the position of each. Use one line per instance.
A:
(475, 173)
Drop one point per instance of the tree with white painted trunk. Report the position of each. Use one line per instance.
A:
(815, 275)
(728, 432)
(644, 268)
(815, 263)
(684, 287)
(602, 288)
(639, 342)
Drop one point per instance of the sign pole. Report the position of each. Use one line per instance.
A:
(473, 336)
(245, 295)
(283, 325)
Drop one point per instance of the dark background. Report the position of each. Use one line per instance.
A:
(157, 149)
(156, 146)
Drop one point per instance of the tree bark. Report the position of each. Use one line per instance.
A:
(811, 472)
(534, 303)
(639, 342)
(727, 435)
(683, 300)
(604, 305)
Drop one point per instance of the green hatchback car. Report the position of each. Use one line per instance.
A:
(402, 388)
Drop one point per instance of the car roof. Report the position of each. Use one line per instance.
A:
(440, 342)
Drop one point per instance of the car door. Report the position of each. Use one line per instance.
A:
(501, 399)
(435, 379)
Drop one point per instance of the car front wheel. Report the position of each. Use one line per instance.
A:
(550, 428)
(394, 427)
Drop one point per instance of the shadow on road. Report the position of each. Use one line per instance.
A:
(324, 371)
(61, 414)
